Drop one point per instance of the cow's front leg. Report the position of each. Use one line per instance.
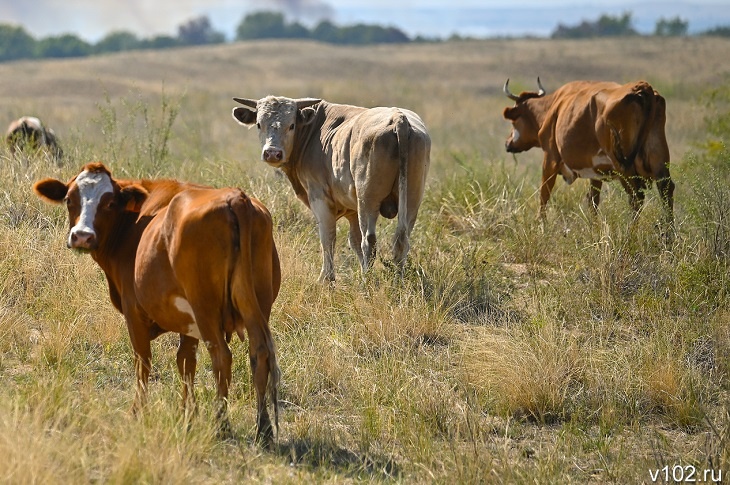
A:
(327, 226)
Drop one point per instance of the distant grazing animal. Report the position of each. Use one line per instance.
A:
(346, 161)
(29, 132)
(181, 258)
(595, 130)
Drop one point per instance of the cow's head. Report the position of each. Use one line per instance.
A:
(525, 127)
(276, 119)
(95, 202)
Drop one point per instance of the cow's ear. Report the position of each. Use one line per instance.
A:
(306, 115)
(244, 116)
(51, 190)
(132, 197)
(510, 114)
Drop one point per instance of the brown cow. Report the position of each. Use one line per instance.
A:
(595, 130)
(346, 161)
(29, 132)
(181, 258)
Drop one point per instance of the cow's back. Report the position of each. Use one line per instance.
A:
(358, 147)
(194, 248)
(181, 242)
(570, 122)
(591, 118)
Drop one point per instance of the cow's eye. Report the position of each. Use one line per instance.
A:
(258, 125)
(68, 201)
(291, 127)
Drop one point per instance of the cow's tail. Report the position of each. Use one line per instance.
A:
(242, 290)
(402, 133)
(643, 95)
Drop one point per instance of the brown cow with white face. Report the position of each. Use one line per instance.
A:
(29, 132)
(346, 161)
(183, 258)
(598, 131)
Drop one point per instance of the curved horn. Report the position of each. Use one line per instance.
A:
(541, 90)
(507, 93)
(306, 102)
(246, 102)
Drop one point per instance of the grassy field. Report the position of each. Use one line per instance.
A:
(582, 349)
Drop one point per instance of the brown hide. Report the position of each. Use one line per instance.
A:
(596, 130)
(182, 258)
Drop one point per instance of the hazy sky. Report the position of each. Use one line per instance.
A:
(92, 19)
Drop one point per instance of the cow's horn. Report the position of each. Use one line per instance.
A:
(507, 93)
(246, 102)
(541, 90)
(306, 102)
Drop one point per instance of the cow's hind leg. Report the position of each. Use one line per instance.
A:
(666, 192)
(265, 374)
(221, 361)
(635, 187)
(402, 237)
(368, 216)
(594, 194)
(186, 364)
(355, 237)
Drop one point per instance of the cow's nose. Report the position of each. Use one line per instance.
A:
(82, 240)
(273, 155)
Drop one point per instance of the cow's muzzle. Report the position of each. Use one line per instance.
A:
(273, 155)
(82, 240)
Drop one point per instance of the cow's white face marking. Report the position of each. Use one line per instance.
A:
(92, 186)
(276, 119)
(184, 307)
(515, 135)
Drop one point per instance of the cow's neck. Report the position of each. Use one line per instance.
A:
(292, 173)
(305, 135)
(540, 107)
(116, 255)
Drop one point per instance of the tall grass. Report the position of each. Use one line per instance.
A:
(511, 350)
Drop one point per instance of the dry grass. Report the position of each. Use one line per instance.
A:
(511, 351)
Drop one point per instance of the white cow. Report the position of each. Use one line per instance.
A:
(346, 161)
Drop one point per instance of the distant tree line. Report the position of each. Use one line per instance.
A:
(609, 26)
(16, 43)
(272, 25)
